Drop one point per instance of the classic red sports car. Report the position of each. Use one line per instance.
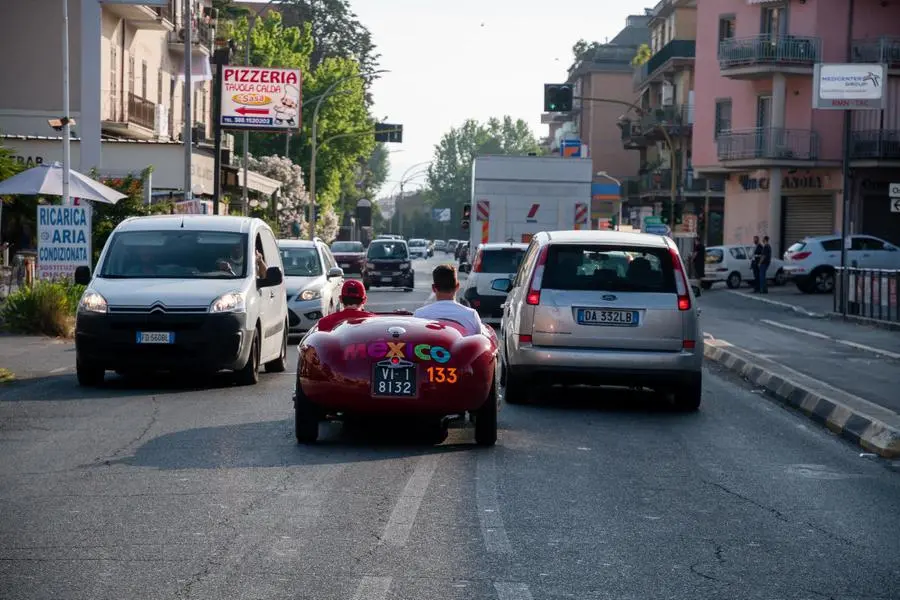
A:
(397, 365)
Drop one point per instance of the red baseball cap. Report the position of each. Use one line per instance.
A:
(353, 289)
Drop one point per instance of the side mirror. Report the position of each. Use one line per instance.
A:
(334, 272)
(273, 277)
(465, 268)
(83, 275)
(501, 285)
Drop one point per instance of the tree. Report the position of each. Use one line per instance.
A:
(642, 56)
(294, 198)
(450, 173)
(583, 50)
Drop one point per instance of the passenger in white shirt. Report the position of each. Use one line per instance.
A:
(445, 287)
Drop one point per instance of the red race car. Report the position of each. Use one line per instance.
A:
(394, 364)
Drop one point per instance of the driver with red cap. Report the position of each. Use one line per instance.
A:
(353, 297)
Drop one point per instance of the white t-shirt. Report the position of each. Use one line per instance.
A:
(450, 309)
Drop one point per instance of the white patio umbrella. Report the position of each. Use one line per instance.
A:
(47, 180)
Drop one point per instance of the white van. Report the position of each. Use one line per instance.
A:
(191, 293)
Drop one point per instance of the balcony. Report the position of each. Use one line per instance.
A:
(762, 55)
(875, 147)
(633, 137)
(659, 183)
(678, 121)
(768, 146)
(203, 37)
(143, 17)
(884, 50)
(676, 54)
(137, 122)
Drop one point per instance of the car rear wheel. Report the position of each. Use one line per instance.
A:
(486, 420)
(89, 375)
(823, 279)
(279, 365)
(688, 395)
(780, 277)
(306, 418)
(734, 280)
(249, 375)
(515, 388)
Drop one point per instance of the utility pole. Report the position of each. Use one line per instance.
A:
(67, 156)
(187, 126)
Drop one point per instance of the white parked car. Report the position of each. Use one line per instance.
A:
(418, 248)
(313, 282)
(731, 264)
(810, 263)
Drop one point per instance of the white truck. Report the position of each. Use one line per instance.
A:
(514, 197)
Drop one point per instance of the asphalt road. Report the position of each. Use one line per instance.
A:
(165, 489)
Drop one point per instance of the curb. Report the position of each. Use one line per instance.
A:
(843, 418)
(836, 316)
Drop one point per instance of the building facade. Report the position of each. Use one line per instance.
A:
(661, 129)
(755, 126)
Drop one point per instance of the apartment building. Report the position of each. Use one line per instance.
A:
(661, 128)
(756, 127)
(126, 89)
(605, 72)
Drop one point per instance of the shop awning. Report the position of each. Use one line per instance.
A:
(257, 182)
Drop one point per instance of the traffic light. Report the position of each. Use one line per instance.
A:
(466, 215)
(389, 133)
(558, 97)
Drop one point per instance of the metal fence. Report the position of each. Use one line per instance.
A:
(870, 293)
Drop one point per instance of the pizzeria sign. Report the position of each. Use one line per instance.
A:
(262, 98)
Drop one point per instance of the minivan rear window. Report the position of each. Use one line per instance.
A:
(797, 247)
(583, 267)
(506, 260)
(714, 255)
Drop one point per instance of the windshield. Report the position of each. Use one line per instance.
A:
(301, 262)
(347, 247)
(609, 268)
(176, 254)
(387, 250)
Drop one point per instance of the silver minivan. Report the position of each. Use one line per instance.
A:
(604, 308)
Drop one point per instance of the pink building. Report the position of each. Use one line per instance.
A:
(755, 124)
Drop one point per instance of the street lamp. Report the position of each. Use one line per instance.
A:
(618, 183)
(314, 142)
(251, 23)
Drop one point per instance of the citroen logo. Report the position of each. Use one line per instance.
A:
(157, 307)
(396, 331)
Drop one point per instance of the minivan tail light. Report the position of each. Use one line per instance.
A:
(799, 255)
(476, 265)
(525, 339)
(681, 282)
(534, 286)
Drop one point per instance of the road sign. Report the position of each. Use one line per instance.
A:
(441, 215)
(262, 98)
(657, 229)
(894, 190)
(895, 205)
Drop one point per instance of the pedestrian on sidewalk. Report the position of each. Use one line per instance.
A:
(754, 262)
(699, 259)
(764, 263)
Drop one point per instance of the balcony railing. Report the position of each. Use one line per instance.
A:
(772, 143)
(632, 134)
(676, 49)
(875, 144)
(167, 12)
(677, 119)
(141, 111)
(661, 181)
(202, 33)
(788, 50)
(885, 49)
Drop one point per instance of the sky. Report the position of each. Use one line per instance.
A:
(451, 61)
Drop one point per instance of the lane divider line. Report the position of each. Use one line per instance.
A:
(403, 517)
(512, 591)
(793, 307)
(487, 502)
(373, 588)
(822, 336)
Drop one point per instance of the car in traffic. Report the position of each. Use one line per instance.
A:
(388, 264)
(191, 293)
(312, 282)
(418, 248)
(451, 247)
(462, 252)
(491, 261)
(575, 313)
(440, 246)
(732, 265)
(350, 256)
(397, 366)
(811, 262)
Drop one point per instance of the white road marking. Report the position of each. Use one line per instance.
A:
(398, 527)
(488, 505)
(793, 307)
(59, 370)
(372, 588)
(821, 336)
(512, 591)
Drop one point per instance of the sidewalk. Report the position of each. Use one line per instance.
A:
(830, 365)
(35, 356)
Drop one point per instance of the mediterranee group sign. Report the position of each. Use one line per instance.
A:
(260, 98)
